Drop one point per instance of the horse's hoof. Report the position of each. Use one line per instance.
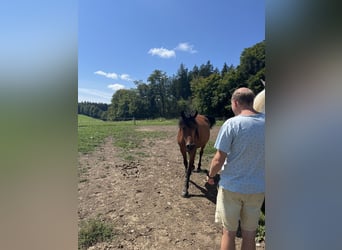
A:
(198, 170)
(185, 194)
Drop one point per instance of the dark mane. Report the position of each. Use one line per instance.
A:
(188, 120)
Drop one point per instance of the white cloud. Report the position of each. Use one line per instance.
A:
(94, 95)
(116, 86)
(186, 47)
(162, 52)
(126, 77)
(108, 75)
(167, 53)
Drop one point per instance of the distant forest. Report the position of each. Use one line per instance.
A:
(205, 89)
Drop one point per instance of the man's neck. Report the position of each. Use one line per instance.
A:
(247, 112)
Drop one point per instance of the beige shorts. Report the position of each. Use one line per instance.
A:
(232, 207)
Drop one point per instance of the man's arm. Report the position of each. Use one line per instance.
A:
(216, 165)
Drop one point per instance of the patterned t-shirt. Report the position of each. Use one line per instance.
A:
(243, 139)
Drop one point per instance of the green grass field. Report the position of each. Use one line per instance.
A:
(92, 132)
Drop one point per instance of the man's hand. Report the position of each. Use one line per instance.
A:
(210, 180)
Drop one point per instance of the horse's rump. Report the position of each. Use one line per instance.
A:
(211, 120)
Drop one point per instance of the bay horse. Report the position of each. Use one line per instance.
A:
(193, 133)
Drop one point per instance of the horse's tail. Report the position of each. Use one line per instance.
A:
(211, 120)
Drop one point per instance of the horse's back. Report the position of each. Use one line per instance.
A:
(203, 121)
(203, 130)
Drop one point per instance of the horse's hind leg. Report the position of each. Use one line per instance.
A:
(185, 160)
(200, 160)
(185, 192)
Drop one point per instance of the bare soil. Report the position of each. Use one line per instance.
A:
(142, 198)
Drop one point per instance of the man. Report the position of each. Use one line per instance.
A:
(240, 156)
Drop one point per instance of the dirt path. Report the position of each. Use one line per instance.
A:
(142, 198)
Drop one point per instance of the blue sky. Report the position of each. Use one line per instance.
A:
(120, 41)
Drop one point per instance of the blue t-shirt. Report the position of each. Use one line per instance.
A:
(243, 139)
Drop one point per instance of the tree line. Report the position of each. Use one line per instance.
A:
(205, 89)
(95, 110)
